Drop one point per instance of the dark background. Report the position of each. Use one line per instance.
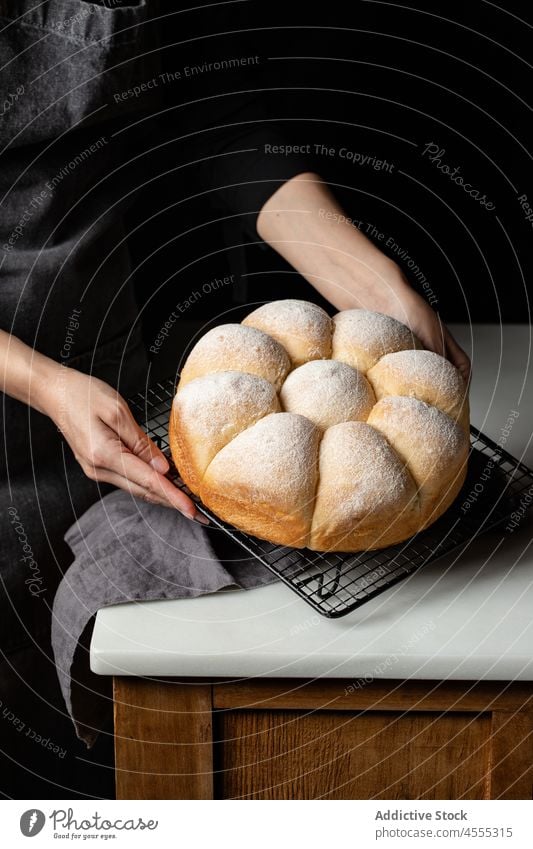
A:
(378, 79)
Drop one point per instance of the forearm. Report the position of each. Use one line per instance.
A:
(25, 374)
(95, 421)
(307, 226)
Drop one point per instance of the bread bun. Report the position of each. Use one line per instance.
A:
(209, 411)
(233, 347)
(338, 435)
(366, 497)
(303, 329)
(269, 492)
(433, 447)
(327, 392)
(362, 337)
(423, 375)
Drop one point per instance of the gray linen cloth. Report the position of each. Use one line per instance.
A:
(128, 550)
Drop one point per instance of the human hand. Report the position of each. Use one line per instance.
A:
(391, 293)
(108, 443)
(303, 221)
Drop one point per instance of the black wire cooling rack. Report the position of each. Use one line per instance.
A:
(334, 584)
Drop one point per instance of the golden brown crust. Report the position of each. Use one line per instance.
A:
(234, 347)
(265, 479)
(423, 375)
(259, 519)
(366, 497)
(302, 328)
(361, 338)
(433, 447)
(209, 411)
(318, 475)
(181, 455)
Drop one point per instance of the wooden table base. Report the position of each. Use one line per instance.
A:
(293, 739)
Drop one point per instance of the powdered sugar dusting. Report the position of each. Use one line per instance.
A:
(327, 392)
(368, 474)
(224, 403)
(439, 429)
(372, 452)
(302, 328)
(429, 440)
(421, 374)
(275, 459)
(234, 347)
(362, 337)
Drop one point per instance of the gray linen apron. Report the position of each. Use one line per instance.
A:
(65, 184)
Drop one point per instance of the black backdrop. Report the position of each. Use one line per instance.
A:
(378, 80)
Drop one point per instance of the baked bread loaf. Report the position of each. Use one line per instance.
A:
(335, 434)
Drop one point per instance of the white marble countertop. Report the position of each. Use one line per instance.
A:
(462, 617)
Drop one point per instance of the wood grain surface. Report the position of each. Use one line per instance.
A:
(340, 694)
(332, 755)
(163, 739)
(295, 739)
